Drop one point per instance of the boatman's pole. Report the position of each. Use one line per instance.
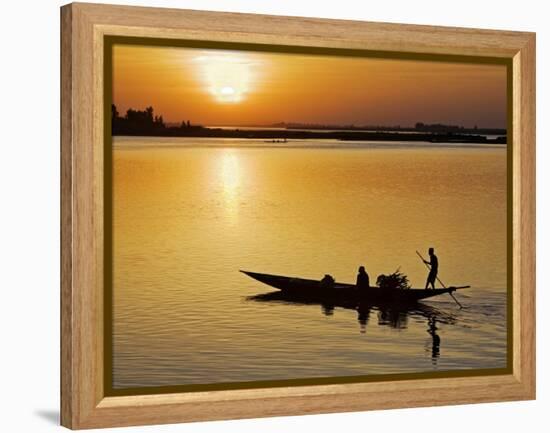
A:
(440, 282)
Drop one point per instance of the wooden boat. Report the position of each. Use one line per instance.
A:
(339, 293)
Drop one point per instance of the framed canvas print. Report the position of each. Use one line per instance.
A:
(270, 216)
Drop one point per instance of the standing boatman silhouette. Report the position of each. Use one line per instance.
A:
(434, 267)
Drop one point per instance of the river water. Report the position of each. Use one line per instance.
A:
(189, 213)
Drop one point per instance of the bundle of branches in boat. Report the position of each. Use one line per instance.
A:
(396, 280)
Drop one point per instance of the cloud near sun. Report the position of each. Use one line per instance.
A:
(228, 76)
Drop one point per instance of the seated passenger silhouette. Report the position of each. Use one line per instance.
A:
(362, 279)
(327, 281)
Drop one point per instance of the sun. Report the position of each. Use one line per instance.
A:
(228, 77)
(227, 94)
(227, 91)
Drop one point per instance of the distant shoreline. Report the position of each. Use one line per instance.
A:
(151, 142)
(293, 134)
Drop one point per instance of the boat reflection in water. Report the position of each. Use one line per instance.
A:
(395, 316)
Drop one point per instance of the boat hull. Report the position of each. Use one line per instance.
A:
(339, 293)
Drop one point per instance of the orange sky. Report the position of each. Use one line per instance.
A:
(214, 87)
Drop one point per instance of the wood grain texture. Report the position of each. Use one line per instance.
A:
(524, 211)
(67, 385)
(83, 404)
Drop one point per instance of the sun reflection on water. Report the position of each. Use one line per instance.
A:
(230, 179)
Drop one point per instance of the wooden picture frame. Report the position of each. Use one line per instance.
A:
(83, 31)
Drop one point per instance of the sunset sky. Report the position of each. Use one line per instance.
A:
(213, 87)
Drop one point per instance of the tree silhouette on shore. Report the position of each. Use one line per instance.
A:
(137, 122)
